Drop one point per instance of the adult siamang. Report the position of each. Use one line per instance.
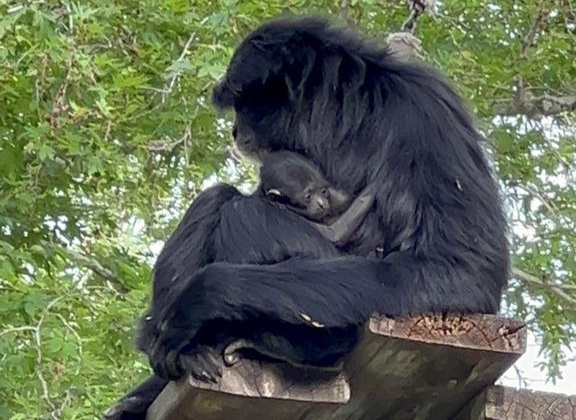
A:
(241, 268)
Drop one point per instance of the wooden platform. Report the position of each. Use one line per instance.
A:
(429, 367)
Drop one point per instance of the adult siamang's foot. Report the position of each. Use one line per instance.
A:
(232, 352)
(131, 408)
(203, 363)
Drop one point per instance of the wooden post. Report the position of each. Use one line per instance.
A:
(503, 403)
(428, 367)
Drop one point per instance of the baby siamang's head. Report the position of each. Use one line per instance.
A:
(294, 181)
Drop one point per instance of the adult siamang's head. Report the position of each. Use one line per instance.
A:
(290, 81)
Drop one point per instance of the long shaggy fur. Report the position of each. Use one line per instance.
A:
(240, 263)
(364, 117)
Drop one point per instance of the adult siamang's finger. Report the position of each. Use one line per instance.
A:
(203, 364)
(166, 365)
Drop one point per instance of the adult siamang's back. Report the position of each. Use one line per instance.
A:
(363, 118)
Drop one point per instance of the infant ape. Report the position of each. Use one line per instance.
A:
(298, 184)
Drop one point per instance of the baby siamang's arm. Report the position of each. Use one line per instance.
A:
(340, 230)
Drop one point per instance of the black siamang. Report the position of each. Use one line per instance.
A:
(239, 267)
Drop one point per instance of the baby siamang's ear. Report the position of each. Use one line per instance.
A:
(274, 193)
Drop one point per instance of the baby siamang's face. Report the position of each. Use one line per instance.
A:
(293, 180)
(316, 199)
(312, 201)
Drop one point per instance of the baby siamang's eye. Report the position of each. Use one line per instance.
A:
(324, 192)
(308, 197)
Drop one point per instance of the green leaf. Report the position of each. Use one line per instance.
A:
(55, 345)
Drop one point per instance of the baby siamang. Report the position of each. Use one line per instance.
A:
(364, 118)
(297, 184)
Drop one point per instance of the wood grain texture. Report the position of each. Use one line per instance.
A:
(427, 367)
(503, 403)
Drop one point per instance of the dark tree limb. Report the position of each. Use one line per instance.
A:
(561, 290)
(537, 106)
(88, 262)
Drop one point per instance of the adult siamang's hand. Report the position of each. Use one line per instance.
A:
(164, 351)
(172, 356)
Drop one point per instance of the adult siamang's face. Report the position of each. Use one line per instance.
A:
(262, 125)
(265, 118)
(245, 139)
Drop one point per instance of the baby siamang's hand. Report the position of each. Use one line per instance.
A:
(368, 193)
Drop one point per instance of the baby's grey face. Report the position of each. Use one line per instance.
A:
(312, 201)
(316, 201)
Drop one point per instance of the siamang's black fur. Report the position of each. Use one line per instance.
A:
(363, 118)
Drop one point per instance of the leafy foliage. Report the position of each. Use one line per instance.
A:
(107, 133)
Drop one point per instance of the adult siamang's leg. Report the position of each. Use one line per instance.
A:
(296, 295)
(134, 405)
(281, 277)
(327, 294)
(186, 251)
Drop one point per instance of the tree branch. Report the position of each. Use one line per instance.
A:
(537, 106)
(558, 289)
(344, 9)
(90, 263)
(174, 78)
(538, 24)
